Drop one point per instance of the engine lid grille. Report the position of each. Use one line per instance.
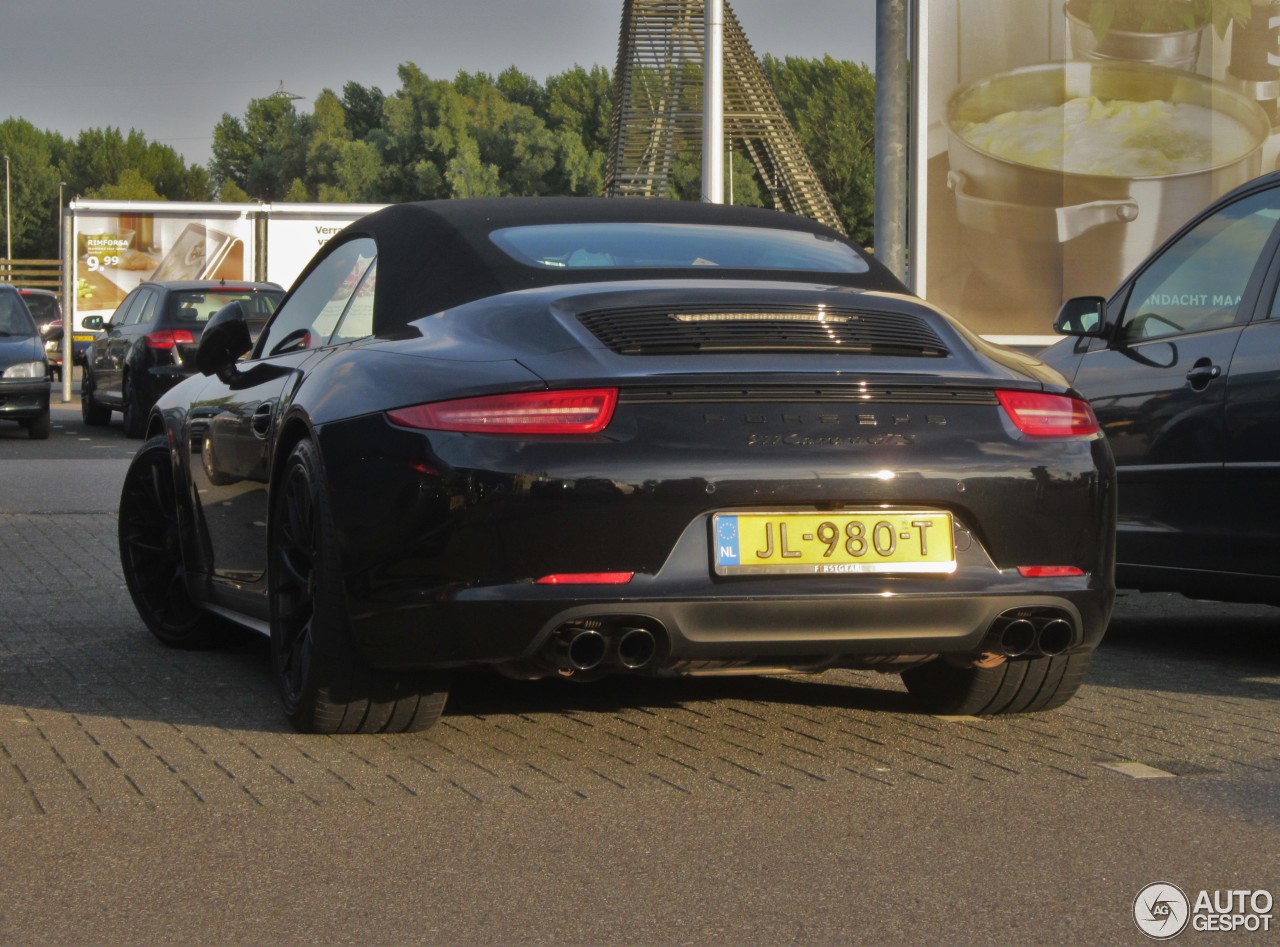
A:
(652, 331)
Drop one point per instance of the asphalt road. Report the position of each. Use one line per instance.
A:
(149, 795)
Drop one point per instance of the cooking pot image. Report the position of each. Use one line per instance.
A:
(1179, 48)
(1042, 232)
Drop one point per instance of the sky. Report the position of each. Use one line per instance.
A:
(172, 68)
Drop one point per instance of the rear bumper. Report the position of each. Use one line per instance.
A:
(695, 616)
(781, 630)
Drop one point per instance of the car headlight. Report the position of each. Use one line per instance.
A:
(26, 370)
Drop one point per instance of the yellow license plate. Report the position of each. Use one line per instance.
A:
(82, 338)
(833, 543)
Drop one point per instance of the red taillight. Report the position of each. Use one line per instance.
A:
(587, 578)
(584, 411)
(1039, 414)
(168, 338)
(1048, 572)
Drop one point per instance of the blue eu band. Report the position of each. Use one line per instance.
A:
(727, 541)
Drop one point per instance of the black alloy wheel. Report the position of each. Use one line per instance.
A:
(151, 555)
(324, 684)
(91, 413)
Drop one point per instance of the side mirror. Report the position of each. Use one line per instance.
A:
(1083, 316)
(52, 334)
(225, 338)
(92, 323)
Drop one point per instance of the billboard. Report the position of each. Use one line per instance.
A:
(116, 250)
(116, 245)
(296, 231)
(1055, 145)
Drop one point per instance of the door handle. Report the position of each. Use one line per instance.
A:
(1202, 373)
(261, 422)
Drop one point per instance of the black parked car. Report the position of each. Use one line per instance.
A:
(24, 373)
(1182, 367)
(572, 437)
(46, 309)
(148, 345)
(47, 313)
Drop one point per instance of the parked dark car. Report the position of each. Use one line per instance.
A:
(1182, 367)
(24, 373)
(48, 312)
(46, 309)
(578, 437)
(149, 344)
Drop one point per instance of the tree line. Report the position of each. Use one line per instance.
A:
(474, 135)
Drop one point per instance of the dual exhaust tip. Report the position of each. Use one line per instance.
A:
(1035, 636)
(576, 648)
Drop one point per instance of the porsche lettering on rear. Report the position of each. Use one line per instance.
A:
(830, 440)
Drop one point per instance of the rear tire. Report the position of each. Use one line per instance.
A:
(324, 684)
(92, 413)
(135, 411)
(1017, 686)
(151, 555)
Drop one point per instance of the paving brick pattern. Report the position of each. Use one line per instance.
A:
(97, 716)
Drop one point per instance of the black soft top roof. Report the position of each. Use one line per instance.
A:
(434, 255)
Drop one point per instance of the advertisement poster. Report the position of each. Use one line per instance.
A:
(115, 251)
(1057, 144)
(295, 232)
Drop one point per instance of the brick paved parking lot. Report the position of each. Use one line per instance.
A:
(144, 791)
(97, 715)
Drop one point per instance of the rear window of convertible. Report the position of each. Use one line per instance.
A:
(674, 246)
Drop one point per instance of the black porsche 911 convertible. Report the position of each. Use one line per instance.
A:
(582, 437)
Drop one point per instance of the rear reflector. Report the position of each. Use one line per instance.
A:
(587, 578)
(1039, 414)
(1048, 572)
(584, 411)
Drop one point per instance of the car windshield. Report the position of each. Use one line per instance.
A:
(43, 308)
(15, 320)
(675, 246)
(196, 307)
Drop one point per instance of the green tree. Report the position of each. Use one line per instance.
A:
(131, 186)
(99, 158)
(521, 89)
(359, 173)
(831, 103)
(33, 188)
(406, 140)
(581, 102)
(232, 193)
(329, 136)
(265, 153)
(363, 108)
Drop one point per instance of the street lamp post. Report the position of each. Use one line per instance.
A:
(61, 185)
(67, 349)
(8, 220)
(713, 103)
